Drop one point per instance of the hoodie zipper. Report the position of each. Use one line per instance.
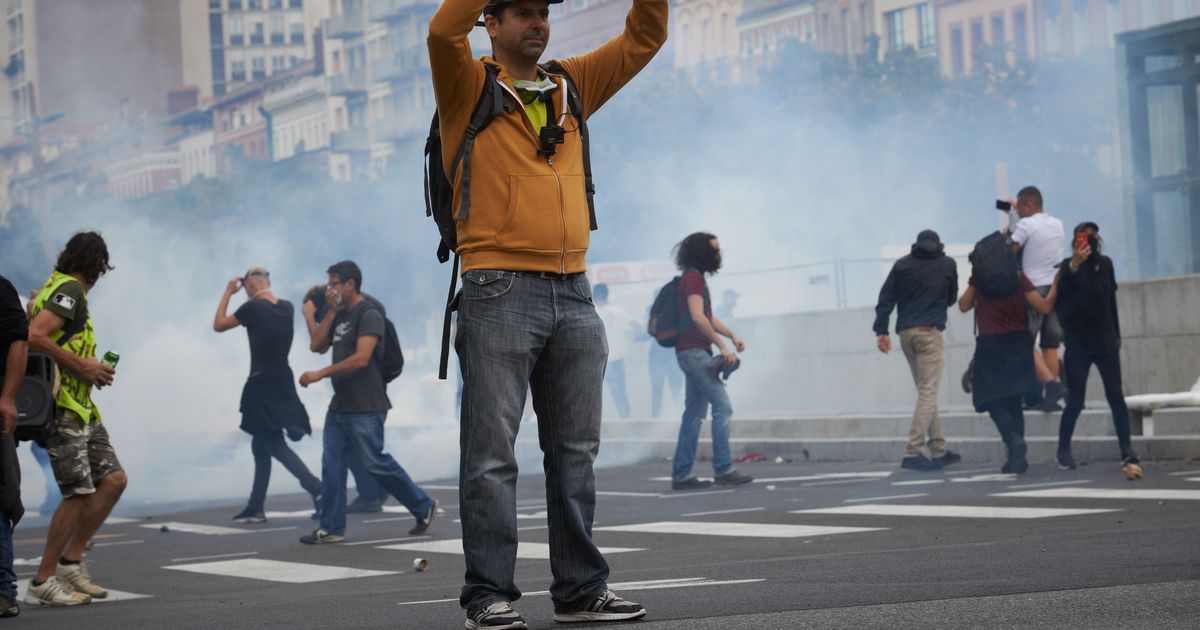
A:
(562, 204)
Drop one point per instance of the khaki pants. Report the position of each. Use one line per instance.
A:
(926, 358)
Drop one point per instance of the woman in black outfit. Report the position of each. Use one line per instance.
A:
(1087, 308)
(1003, 370)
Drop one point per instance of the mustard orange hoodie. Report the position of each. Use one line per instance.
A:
(528, 212)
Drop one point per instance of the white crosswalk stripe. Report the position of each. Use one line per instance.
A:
(742, 530)
(113, 595)
(277, 571)
(525, 550)
(952, 511)
(1148, 494)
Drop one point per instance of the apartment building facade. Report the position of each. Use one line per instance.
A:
(250, 40)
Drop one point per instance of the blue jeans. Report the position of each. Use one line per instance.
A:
(359, 436)
(703, 388)
(517, 332)
(8, 577)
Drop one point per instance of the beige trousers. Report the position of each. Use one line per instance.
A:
(926, 358)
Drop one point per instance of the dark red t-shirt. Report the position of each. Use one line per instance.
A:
(692, 283)
(1010, 314)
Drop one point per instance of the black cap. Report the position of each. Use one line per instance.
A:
(492, 4)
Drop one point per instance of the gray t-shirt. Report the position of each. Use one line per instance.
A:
(362, 391)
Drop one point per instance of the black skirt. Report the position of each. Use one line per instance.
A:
(270, 404)
(1003, 368)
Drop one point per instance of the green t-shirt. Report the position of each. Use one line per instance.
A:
(64, 296)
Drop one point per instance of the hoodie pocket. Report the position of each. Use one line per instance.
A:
(579, 226)
(533, 220)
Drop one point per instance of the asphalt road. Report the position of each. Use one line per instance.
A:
(806, 546)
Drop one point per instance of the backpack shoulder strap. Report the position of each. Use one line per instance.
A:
(575, 105)
(490, 105)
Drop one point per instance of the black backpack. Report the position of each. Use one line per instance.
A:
(439, 189)
(391, 357)
(667, 320)
(994, 267)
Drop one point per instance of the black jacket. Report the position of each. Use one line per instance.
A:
(1087, 307)
(924, 284)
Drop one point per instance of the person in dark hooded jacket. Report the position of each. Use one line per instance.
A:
(922, 285)
(14, 351)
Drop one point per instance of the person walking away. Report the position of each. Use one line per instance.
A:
(1087, 308)
(270, 406)
(1004, 370)
(697, 256)
(354, 330)
(85, 464)
(526, 316)
(921, 286)
(1038, 238)
(620, 329)
(14, 352)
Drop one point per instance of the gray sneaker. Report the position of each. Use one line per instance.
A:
(606, 607)
(733, 478)
(497, 616)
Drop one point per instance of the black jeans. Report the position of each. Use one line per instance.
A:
(270, 446)
(1008, 414)
(1077, 368)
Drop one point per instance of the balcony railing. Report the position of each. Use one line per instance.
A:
(346, 25)
(354, 139)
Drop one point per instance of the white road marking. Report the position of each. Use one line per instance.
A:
(836, 482)
(1183, 472)
(985, 478)
(849, 475)
(625, 586)
(919, 482)
(297, 514)
(435, 487)
(277, 571)
(680, 495)
(532, 528)
(1191, 478)
(610, 493)
(113, 595)
(211, 530)
(114, 544)
(390, 519)
(888, 498)
(1051, 484)
(753, 509)
(1107, 493)
(951, 511)
(117, 520)
(525, 550)
(971, 471)
(740, 530)
(27, 562)
(223, 555)
(385, 540)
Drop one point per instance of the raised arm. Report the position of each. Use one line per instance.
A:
(457, 76)
(223, 320)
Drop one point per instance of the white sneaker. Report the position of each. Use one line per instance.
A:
(78, 577)
(55, 592)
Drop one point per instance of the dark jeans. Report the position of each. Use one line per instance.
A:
(266, 447)
(519, 331)
(615, 377)
(664, 372)
(1008, 414)
(359, 436)
(8, 577)
(1077, 367)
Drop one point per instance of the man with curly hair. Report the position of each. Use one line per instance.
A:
(697, 256)
(84, 462)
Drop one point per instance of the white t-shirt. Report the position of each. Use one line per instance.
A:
(1041, 239)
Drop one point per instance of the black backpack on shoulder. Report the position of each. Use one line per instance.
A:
(439, 187)
(994, 267)
(666, 323)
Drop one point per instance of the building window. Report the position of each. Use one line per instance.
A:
(277, 33)
(864, 20)
(1020, 35)
(254, 5)
(256, 32)
(215, 5)
(847, 36)
(296, 4)
(218, 64)
(998, 30)
(235, 5)
(237, 70)
(236, 33)
(275, 4)
(895, 29)
(216, 34)
(957, 52)
(278, 63)
(259, 68)
(928, 25)
(977, 43)
(297, 32)
(1080, 29)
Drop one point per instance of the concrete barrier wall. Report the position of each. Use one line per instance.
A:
(826, 362)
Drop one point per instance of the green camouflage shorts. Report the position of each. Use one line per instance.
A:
(80, 454)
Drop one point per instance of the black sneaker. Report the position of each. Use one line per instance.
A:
(733, 478)
(919, 462)
(424, 522)
(1064, 460)
(497, 616)
(607, 607)
(321, 537)
(362, 506)
(949, 459)
(9, 607)
(1016, 455)
(691, 483)
(250, 515)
